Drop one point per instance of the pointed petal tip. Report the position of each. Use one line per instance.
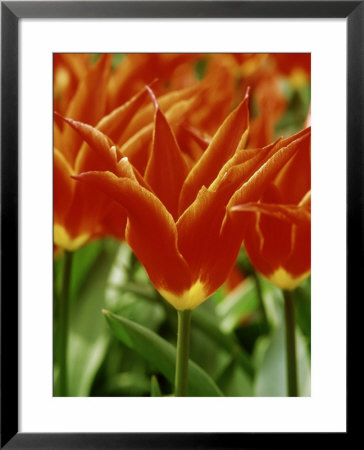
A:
(68, 120)
(65, 119)
(153, 97)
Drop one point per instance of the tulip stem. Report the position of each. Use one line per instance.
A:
(183, 350)
(63, 323)
(291, 360)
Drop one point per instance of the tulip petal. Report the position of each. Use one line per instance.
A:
(289, 213)
(275, 226)
(209, 249)
(100, 153)
(264, 176)
(114, 222)
(151, 231)
(166, 169)
(230, 136)
(240, 168)
(57, 133)
(207, 238)
(116, 123)
(278, 238)
(85, 107)
(102, 145)
(192, 143)
(93, 212)
(63, 186)
(295, 178)
(76, 63)
(299, 262)
(145, 115)
(137, 148)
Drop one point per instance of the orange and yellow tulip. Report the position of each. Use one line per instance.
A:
(82, 213)
(179, 222)
(278, 234)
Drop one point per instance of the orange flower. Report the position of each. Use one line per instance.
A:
(82, 213)
(278, 234)
(179, 221)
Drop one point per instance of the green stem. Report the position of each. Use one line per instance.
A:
(183, 350)
(63, 323)
(291, 359)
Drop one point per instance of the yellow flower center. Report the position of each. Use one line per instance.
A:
(65, 241)
(284, 280)
(190, 299)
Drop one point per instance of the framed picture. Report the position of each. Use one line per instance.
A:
(110, 243)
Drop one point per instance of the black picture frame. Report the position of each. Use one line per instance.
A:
(11, 12)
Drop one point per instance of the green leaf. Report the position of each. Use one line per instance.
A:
(271, 359)
(135, 300)
(206, 322)
(82, 262)
(238, 305)
(129, 384)
(88, 338)
(210, 357)
(118, 276)
(273, 300)
(234, 382)
(160, 354)
(155, 390)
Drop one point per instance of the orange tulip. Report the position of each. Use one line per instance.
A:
(179, 222)
(82, 213)
(278, 234)
(129, 128)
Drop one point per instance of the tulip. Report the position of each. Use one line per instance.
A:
(82, 213)
(179, 221)
(168, 176)
(179, 225)
(77, 220)
(278, 239)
